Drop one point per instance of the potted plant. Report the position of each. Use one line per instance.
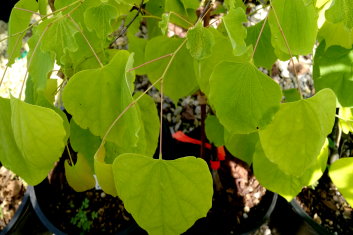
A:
(115, 131)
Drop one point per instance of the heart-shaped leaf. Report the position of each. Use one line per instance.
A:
(245, 99)
(164, 197)
(341, 174)
(298, 131)
(96, 97)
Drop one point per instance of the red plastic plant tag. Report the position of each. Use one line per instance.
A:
(180, 136)
(215, 165)
(221, 153)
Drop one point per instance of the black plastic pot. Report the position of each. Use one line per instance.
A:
(308, 219)
(133, 229)
(17, 223)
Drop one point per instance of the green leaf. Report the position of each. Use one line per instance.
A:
(222, 51)
(178, 7)
(265, 53)
(99, 19)
(244, 98)
(41, 65)
(341, 11)
(80, 176)
(42, 6)
(346, 119)
(294, 148)
(333, 69)
(24, 129)
(241, 146)
(214, 130)
(192, 4)
(163, 24)
(336, 34)
(96, 97)
(298, 19)
(233, 22)
(84, 142)
(282, 182)
(291, 95)
(229, 4)
(156, 8)
(104, 173)
(32, 126)
(164, 197)
(200, 42)
(18, 22)
(177, 82)
(341, 175)
(58, 36)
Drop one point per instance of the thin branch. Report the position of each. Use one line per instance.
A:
(139, 97)
(68, 151)
(182, 18)
(149, 62)
(33, 12)
(88, 43)
(259, 36)
(161, 119)
(128, 25)
(289, 50)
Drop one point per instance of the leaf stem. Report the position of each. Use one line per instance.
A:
(68, 152)
(33, 12)
(88, 43)
(182, 18)
(289, 50)
(161, 119)
(259, 36)
(149, 62)
(139, 97)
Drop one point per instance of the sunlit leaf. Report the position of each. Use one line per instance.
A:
(99, 19)
(333, 69)
(177, 82)
(24, 129)
(264, 55)
(163, 24)
(18, 22)
(241, 146)
(346, 120)
(341, 175)
(84, 142)
(298, 19)
(58, 35)
(244, 98)
(80, 176)
(104, 173)
(294, 148)
(192, 4)
(41, 65)
(164, 197)
(233, 22)
(341, 11)
(200, 42)
(214, 130)
(96, 97)
(291, 95)
(282, 182)
(222, 51)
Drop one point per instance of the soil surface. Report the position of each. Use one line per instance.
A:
(89, 212)
(327, 207)
(12, 191)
